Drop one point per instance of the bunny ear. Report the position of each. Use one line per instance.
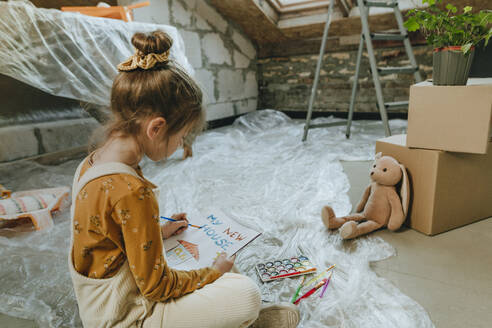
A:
(404, 190)
(379, 155)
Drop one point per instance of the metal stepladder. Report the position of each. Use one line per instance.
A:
(368, 37)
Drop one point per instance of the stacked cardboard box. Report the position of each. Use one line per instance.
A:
(447, 153)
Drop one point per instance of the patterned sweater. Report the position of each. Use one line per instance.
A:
(116, 220)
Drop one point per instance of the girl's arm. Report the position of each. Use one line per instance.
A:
(138, 215)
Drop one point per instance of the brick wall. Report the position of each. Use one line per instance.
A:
(285, 82)
(224, 59)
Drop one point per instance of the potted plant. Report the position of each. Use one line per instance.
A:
(454, 37)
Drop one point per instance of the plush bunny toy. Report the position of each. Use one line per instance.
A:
(380, 205)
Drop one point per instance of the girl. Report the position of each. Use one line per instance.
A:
(116, 261)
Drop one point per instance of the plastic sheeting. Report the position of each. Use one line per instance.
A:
(69, 54)
(260, 173)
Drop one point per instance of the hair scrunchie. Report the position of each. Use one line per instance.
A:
(143, 61)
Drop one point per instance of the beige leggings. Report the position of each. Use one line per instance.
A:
(231, 301)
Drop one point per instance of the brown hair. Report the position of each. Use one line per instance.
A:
(165, 90)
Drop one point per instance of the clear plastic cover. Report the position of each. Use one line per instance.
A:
(69, 54)
(258, 172)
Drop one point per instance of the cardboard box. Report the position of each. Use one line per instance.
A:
(452, 118)
(448, 190)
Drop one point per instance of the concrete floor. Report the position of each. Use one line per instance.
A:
(450, 274)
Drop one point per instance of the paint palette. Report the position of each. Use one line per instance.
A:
(288, 267)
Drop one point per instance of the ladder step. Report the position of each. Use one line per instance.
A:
(388, 36)
(396, 104)
(392, 70)
(326, 125)
(381, 4)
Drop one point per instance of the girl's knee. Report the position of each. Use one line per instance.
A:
(248, 291)
(242, 282)
(252, 299)
(252, 291)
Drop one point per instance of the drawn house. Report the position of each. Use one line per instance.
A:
(191, 248)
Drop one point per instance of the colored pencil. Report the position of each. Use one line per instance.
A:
(326, 285)
(311, 291)
(298, 289)
(191, 225)
(318, 276)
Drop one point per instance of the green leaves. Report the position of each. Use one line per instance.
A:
(449, 28)
(431, 2)
(451, 8)
(465, 48)
(487, 38)
(411, 24)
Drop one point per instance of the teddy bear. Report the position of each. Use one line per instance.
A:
(380, 205)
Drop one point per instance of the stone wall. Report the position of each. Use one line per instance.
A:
(23, 104)
(285, 82)
(224, 59)
(20, 141)
(33, 122)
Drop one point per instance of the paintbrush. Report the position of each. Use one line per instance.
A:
(311, 291)
(298, 289)
(189, 224)
(318, 276)
(326, 285)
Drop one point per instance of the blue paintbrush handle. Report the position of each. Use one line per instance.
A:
(189, 224)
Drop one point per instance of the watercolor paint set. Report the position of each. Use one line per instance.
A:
(283, 268)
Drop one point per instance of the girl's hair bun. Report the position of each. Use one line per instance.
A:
(156, 42)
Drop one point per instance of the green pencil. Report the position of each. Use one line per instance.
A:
(298, 290)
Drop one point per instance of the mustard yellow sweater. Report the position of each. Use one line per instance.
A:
(116, 220)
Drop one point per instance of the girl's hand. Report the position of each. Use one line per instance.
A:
(223, 263)
(175, 228)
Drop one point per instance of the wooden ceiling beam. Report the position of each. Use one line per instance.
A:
(57, 4)
(265, 31)
(249, 15)
(341, 26)
(343, 7)
(333, 44)
(262, 30)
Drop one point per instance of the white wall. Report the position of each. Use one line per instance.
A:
(223, 57)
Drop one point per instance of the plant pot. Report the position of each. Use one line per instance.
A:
(451, 66)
